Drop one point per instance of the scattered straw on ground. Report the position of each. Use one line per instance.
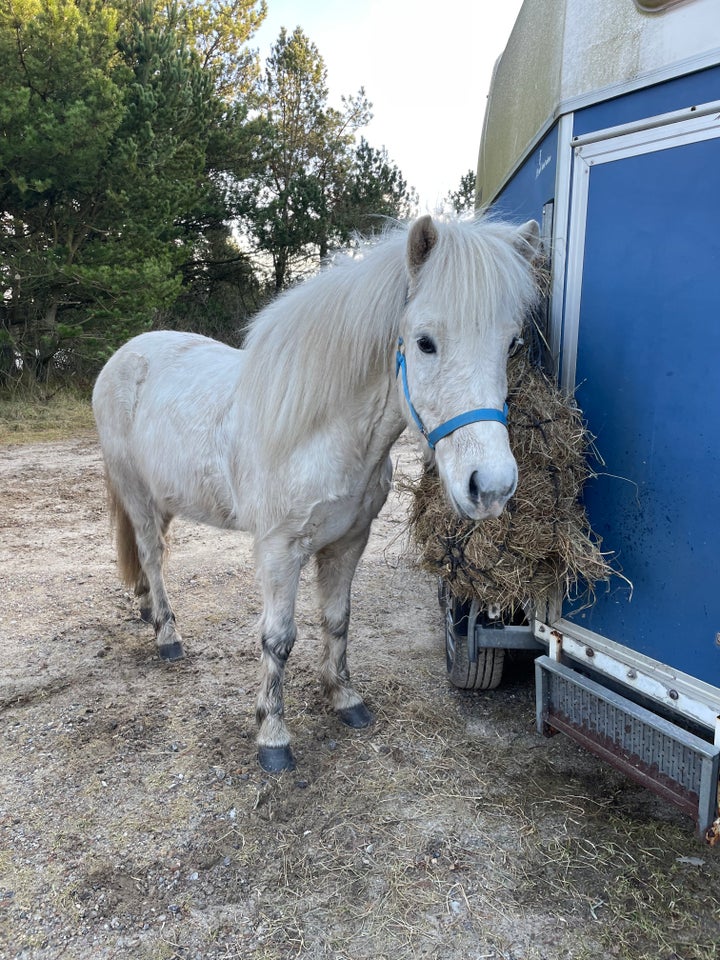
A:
(543, 539)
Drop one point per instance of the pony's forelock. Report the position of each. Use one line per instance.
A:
(483, 265)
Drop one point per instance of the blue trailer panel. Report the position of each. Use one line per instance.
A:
(648, 351)
(533, 185)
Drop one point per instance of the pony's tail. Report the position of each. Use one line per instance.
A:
(125, 543)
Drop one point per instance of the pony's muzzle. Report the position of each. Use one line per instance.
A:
(487, 496)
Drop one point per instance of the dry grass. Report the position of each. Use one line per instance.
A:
(449, 829)
(27, 418)
(543, 539)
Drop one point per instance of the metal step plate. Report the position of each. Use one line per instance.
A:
(665, 758)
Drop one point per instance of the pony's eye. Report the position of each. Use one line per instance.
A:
(515, 345)
(426, 345)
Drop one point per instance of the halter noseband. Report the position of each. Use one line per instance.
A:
(471, 416)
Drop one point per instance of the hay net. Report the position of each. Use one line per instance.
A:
(542, 544)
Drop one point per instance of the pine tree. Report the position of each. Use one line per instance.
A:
(315, 185)
(111, 126)
(462, 200)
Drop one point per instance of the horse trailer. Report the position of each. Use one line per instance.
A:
(603, 123)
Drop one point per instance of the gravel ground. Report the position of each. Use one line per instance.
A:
(135, 823)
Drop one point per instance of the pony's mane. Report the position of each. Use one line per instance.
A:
(311, 348)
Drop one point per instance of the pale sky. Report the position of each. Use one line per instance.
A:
(425, 66)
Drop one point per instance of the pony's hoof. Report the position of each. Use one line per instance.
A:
(276, 759)
(171, 651)
(356, 717)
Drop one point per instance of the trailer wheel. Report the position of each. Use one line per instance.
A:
(486, 672)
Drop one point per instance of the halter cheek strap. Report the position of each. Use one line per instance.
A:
(471, 416)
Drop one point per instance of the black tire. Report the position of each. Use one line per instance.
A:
(486, 672)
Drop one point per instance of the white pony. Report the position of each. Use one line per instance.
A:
(290, 437)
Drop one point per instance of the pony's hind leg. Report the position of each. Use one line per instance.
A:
(144, 597)
(279, 574)
(151, 550)
(336, 565)
(141, 545)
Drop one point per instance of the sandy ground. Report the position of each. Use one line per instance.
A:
(135, 823)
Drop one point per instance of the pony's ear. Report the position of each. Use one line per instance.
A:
(422, 238)
(527, 239)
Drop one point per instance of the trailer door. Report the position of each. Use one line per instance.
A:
(641, 345)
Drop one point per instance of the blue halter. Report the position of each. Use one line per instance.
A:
(471, 416)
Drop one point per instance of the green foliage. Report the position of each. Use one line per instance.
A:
(314, 186)
(220, 291)
(104, 181)
(462, 200)
(139, 142)
(374, 191)
(218, 31)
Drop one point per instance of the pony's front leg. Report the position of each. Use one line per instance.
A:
(336, 565)
(279, 574)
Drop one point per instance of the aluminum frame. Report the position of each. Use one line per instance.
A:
(647, 678)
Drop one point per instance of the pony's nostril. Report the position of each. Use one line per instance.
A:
(480, 495)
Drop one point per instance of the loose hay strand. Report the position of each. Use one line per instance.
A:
(543, 541)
